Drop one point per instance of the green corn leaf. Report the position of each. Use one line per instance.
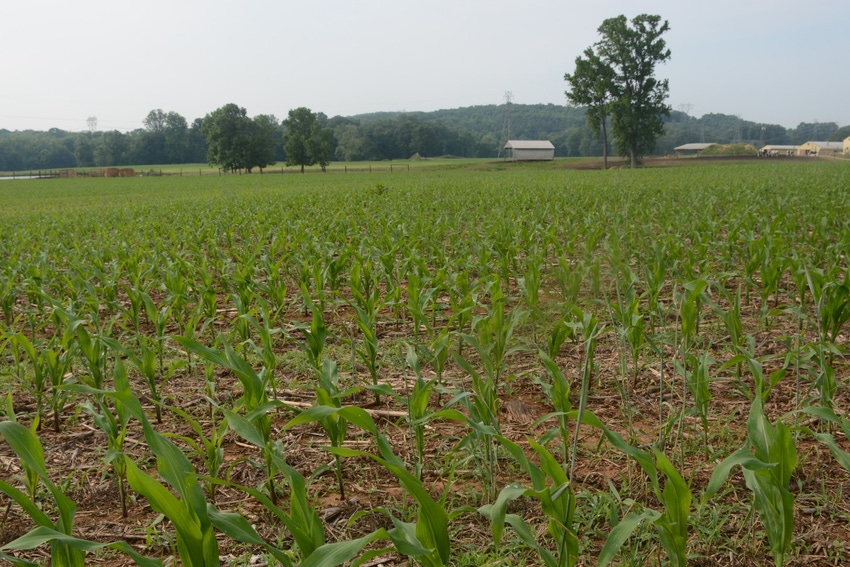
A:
(28, 505)
(333, 554)
(43, 534)
(496, 511)
(673, 524)
(403, 536)
(742, 457)
(17, 562)
(525, 534)
(27, 447)
(843, 457)
(192, 539)
(622, 532)
(432, 523)
(244, 429)
(236, 527)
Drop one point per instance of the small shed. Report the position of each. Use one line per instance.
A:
(530, 150)
(820, 149)
(847, 146)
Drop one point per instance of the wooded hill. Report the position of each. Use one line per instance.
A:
(474, 131)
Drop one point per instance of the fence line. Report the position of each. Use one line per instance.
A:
(200, 172)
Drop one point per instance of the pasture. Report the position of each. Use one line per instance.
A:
(470, 365)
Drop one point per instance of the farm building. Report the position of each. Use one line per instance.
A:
(778, 150)
(530, 150)
(692, 148)
(847, 146)
(821, 149)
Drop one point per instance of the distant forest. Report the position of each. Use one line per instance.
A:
(474, 131)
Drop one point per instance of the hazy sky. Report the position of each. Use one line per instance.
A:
(773, 61)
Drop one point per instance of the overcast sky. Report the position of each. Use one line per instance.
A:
(771, 61)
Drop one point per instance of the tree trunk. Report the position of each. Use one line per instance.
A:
(633, 153)
(604, 145)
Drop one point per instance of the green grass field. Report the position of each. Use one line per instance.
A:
(392, 366)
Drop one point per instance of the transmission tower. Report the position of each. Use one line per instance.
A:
(506, 125)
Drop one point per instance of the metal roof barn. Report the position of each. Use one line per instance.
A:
(530, 150)
(693, 147)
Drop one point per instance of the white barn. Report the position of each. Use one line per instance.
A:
(530, 150)
(820, 149)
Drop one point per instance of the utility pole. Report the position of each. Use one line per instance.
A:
(506, 125)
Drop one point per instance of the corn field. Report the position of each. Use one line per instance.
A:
(507, 366)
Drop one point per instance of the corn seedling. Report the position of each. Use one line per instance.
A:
(114, 424)
(417, 408)
(329, 398)
(768, 460)
(254, 400)
(65, 549)
(552, 488)
(208, 448)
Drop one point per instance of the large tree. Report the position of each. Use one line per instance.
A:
(628, 52)
(228, 133)
(308, 140)
(235, 141)
(590, 85)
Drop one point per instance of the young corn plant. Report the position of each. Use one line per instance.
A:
(419, 300)
(209, 448)
(672, 522)
(315, 335)
(697, 373)
(631, 325)
(427, 540)
(184, 504)
(59, 358)
(254, 401)
(329, 397)
(113, 422)
(768, 460)
(762, 384)
(558, 392)
(65, 549)
(159, 318)
(367, 302)
(146, 363)
(33, 383)
(549, 486)
(417, 408)
(302, 521)
(265, 350)
(529, 283)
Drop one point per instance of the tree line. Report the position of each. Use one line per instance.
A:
(168, 138)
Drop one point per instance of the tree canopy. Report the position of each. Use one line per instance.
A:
(592, 85)
(236, 141)
(308, 139)
(622, 65)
